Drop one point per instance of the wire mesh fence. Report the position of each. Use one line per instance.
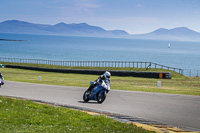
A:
(191, 73)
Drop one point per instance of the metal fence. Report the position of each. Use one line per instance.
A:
(121, 64)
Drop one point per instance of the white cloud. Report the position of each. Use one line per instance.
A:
(140, 5)
(85, 4)
(88, 5)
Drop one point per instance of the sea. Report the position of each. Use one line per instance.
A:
(180, 54)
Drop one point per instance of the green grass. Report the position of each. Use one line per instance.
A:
(25, 116)
(177, 85)
(19, 116)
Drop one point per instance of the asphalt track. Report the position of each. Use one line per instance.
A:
(176, 110)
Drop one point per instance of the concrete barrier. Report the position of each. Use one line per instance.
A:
(165, 75)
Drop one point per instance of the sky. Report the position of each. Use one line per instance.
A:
(133, 16)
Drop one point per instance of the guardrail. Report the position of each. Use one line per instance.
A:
(191, 73)
(130, 64)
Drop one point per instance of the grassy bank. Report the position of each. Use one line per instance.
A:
(177, 85)
(26, 116)
(174, 74)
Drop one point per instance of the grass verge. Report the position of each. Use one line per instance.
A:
(26, 116)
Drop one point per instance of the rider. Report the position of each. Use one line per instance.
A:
(1, 77)
(105, 77)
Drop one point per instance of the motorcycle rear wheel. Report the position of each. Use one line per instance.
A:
(85, 97)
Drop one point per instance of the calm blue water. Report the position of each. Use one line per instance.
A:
(185, 55)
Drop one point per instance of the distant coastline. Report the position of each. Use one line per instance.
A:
(86, 30)
(10, 40)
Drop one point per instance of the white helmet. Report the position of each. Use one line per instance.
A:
(107, 75)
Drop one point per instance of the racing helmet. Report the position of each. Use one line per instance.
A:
(107, 75)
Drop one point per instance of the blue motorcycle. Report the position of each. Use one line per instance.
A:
(98, 93)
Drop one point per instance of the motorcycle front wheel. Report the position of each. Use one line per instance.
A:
(85, 97)
(101, 97)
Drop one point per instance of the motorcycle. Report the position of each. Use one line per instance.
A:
(1, 82)
(98, 93)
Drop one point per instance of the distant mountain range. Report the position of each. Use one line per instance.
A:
(179, 34)
(83, 29)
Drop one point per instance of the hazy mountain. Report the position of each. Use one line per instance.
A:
(15, 26)
(180, 33)
(82, 29)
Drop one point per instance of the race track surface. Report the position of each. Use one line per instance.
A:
(176, 110)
